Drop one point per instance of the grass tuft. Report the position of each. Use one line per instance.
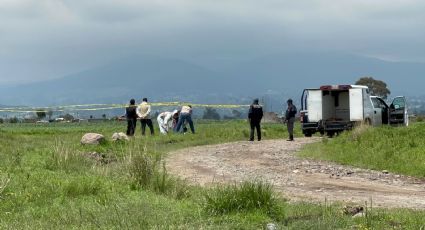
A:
(246, 197)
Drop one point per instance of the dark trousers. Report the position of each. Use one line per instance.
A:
(255, 125)
(145, 122)
(290, 124)
(131, 126)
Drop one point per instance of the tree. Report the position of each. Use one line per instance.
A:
(376, 87)
(236, 114)
(13, 120)
(68, 117)
(211, 113)
(49, 113)
(41, 113)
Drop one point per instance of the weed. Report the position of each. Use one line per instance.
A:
(246, 197)
(4, 181)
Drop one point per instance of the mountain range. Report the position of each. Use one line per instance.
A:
(274, 77)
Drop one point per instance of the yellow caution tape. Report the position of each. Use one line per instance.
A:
(63, 108)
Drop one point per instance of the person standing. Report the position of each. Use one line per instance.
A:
(255, 114)
(163, 121)
(131, 116)
(185, 116)
(290, 113)
(144, 113)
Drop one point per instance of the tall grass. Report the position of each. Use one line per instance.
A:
(47, 181)
(245, 197)
(397, 149)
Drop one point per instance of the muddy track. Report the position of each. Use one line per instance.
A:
(275, 161)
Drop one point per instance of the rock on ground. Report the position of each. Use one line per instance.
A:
(92, 139)
(120, 137)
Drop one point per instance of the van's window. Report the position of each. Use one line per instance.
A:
(376, 103)
(398, 103)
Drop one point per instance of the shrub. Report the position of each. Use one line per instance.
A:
(13, 120)
(65, 158)
(82, 186)
(248, 196)
(147, 171)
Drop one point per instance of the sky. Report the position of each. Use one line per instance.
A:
(45, 39)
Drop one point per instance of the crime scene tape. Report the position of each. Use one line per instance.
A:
(96, 107)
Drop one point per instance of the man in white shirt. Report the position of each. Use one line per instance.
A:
(144, 113)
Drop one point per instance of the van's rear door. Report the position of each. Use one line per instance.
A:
(314, 105)
(356, 104)
(398, 112)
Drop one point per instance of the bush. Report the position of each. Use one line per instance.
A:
(13, 120)
(82, 186)
(248, 196)
(64, 158)
(147, 171)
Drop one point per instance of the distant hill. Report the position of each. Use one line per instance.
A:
(276, 77)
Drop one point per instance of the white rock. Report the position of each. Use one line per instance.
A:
(120, 137)
(92, 139)
(271, 226)
(359, 215)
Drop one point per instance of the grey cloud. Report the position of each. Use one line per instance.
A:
(77, 34)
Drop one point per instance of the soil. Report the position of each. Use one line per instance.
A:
(297, 179)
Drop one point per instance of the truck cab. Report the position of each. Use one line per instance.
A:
(395, 114)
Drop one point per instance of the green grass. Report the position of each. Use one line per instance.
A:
(47, 181)
(396, 149)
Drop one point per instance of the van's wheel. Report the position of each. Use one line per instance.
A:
(308, 134)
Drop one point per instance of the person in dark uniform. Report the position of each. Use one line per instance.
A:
(255, 115)
(131, 116)
(290, 113)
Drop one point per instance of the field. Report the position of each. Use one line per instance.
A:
(49, 180)
(399, 150)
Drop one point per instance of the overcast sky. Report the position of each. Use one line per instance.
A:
(42, 39)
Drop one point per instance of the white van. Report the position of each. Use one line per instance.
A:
(332, 109)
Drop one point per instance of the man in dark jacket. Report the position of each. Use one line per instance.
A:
(290, 113)
(255, 115)
(131, 116)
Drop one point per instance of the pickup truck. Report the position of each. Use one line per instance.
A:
(332, 109)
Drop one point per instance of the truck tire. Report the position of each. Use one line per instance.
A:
(330, 134)
(308, 134)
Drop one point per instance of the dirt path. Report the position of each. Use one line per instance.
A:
(274, 161)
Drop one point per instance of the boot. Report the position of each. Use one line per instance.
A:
(291, 138)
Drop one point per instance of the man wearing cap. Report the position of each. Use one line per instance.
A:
(255, 114)
(290, 113)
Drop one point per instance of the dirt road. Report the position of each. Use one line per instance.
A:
(275, 161)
